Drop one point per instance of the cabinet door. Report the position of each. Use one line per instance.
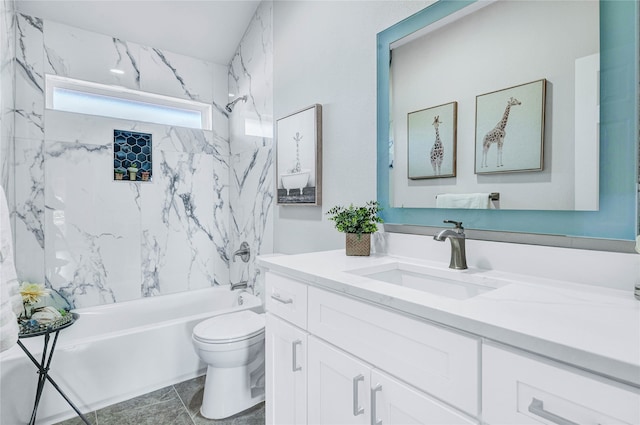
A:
(519, 388)
(286, 373)
(338, 386)
(395, 403)
(434, 359)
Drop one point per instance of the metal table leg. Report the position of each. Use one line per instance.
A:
(43, 375)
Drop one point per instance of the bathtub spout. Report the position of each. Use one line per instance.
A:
(243, 284)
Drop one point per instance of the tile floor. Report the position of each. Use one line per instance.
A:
(174, 405)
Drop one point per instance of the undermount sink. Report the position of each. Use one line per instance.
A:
(456, 284)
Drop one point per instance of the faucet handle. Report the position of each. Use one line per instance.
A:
(458, 224)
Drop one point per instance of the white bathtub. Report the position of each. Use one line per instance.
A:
(113, 353)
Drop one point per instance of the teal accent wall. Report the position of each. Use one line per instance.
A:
(618, 215)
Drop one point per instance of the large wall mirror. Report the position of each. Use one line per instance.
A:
(560, 78)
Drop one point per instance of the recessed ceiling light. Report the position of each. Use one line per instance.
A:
(116, 71)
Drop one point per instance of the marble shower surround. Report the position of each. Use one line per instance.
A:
(130, 239)
(94, 240)
(7, 78)
(251, 157)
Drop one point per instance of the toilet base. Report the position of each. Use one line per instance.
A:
(229, 391)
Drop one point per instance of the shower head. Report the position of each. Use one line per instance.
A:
(230, 105)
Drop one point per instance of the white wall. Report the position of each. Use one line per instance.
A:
(325, 52)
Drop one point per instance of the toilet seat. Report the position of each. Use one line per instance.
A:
(230, 327)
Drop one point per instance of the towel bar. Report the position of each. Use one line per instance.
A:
(494, 196)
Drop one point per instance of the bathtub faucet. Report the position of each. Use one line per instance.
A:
(457, 239)
(244, 252)
(243, 284)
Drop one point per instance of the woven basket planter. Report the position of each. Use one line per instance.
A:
(358, 246)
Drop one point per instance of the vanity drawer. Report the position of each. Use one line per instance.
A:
(286, 298)
(433, 359)
(522, 389)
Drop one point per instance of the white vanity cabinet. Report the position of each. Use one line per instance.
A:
(286, 351)
(519, 388)
(529, 352)
(435, 360)
(345, 390)
(334, 359)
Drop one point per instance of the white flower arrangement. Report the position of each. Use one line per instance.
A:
(31, 292)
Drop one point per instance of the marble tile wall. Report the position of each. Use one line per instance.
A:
(7, 76)
(251, 163)
(29, 163)
(95, 240)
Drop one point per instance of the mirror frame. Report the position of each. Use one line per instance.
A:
(617, 218)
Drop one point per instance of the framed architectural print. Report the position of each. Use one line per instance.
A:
(299, 157)
(431, 142)
(510, 129)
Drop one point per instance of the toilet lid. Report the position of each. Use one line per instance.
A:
(230, 327)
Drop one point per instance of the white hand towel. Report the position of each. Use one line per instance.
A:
(463, 200)
(10, 299)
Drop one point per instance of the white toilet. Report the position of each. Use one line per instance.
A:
(232, 345)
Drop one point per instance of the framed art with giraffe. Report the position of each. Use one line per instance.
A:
(431, 140)
(510, 129)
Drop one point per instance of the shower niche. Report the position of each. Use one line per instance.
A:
(132, 156)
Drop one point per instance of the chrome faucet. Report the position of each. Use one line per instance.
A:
(243, 284)
(457, 238)
(244, 252)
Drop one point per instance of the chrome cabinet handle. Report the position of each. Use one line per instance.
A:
(357, 409)
(374, 408)
(537, 408)
(294, 355)
(276, 296)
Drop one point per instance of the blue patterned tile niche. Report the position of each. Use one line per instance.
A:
(132, 156)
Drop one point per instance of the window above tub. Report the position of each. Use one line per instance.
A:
(84, 97)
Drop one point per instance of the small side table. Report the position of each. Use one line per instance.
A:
(45, 363)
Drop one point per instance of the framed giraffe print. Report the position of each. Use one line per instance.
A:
(431, 142)
(510, 129)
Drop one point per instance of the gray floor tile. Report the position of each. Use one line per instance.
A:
(176, 405)
(91, 417)
(159, 396)
(190, 392)
(170, 412)
(252, 416)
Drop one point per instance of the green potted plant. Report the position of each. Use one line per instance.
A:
(119, 173)
(358, 223)
(133, 170)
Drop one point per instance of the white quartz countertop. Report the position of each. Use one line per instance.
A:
(594, 328)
